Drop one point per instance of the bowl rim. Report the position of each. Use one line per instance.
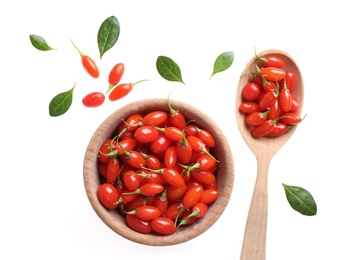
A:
(116, 222)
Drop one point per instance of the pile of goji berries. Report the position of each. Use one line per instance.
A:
(158, 171)
(268, 100)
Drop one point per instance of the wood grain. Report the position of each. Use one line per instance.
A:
(225, 173)
(254, 241)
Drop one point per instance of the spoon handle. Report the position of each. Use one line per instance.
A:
(254, 241)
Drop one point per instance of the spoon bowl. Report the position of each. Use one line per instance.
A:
(254, 241)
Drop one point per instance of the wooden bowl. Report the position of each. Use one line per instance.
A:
(116, 222)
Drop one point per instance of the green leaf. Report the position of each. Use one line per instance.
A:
(60, 104)
(168, 69)
(40, 43)
(108, 34)
(300, 200)
(223, 62)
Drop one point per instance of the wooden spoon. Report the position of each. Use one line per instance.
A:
(254, 242)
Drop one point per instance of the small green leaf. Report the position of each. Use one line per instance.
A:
(40, 43)
(60, 104)
(300, 200)
(223, 62)
(168, 69)
(108, 34)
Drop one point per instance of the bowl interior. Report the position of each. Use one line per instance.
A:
(225, 172)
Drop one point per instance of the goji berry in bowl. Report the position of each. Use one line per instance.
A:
(158, 172)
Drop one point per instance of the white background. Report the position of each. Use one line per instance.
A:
(45, 213)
